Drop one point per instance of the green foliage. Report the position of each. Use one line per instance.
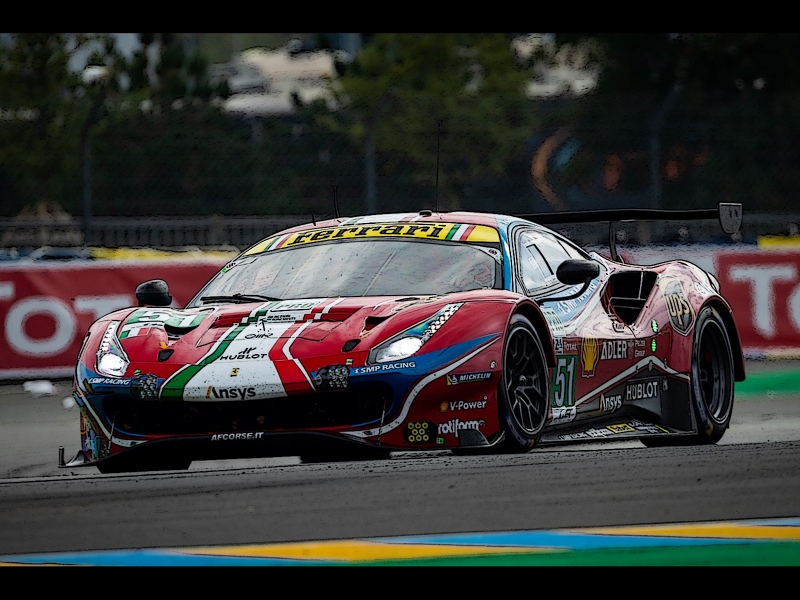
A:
(729, 136)
(403, 87)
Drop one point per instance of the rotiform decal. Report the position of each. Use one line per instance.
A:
(453, 426)
(680, 311)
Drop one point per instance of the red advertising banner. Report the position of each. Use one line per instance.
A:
(763, 288)
(46, 309)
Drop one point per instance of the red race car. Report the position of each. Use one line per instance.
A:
(354, 337)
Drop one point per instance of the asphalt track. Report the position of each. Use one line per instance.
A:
(752, 474)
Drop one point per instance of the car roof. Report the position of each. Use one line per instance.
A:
(466, 217)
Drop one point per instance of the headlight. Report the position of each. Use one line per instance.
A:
(111, 358)
(397, 349)
(411, 340)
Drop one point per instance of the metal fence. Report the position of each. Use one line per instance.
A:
(240, 232)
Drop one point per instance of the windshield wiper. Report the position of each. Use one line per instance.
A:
(239, 298)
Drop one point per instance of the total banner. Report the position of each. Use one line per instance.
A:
(46, 309)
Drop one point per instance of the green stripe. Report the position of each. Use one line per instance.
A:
(452, 231)
(770, 382)
(753, 554)
(173, 389)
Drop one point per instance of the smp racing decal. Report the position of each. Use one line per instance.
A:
(384, 367)
(680, 311)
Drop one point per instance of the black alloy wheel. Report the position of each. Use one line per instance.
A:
(711, 383)
(523, 394)
(712, 377)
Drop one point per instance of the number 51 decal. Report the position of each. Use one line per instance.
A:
(564, 381)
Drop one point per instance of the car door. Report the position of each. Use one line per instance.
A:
(589, 350)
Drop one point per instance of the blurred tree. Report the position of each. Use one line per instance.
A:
(401, 87)
(43, 106)
(726, 135)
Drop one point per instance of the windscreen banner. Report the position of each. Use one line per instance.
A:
(46, 309)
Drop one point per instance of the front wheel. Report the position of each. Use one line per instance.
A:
(523, 393)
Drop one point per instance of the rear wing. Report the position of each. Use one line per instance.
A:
(728, 213)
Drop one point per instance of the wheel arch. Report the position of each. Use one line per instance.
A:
(532, 312)
(726, 315)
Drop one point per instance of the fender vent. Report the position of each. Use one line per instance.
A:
(629, 291)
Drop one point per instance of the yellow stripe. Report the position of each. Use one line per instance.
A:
(417, 230)
(481, 233)
(715, 530)
(778, 241)
(357, 550)
(259, 248)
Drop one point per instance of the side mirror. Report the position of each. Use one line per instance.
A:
(153, 293)
(575, 271)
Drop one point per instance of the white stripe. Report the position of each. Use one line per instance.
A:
(325, 310)
(289, 356)
(214, 346)
(280, 240)
(632, 370)
(459, 232)
(416, 390)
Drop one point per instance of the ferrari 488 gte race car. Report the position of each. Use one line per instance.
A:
(354, 337)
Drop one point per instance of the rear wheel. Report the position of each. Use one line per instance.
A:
(712, 382)
(523, 393)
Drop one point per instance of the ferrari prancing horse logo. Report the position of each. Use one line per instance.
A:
(680, 311)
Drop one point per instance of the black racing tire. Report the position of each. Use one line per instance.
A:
(523, 395)
(711, 383)
(355, 454)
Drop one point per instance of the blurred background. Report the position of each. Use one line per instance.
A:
(191, 146)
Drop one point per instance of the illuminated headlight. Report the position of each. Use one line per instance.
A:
(398, 349)
(111, 358)
(410, 341)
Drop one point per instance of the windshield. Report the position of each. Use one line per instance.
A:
(359, 268)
